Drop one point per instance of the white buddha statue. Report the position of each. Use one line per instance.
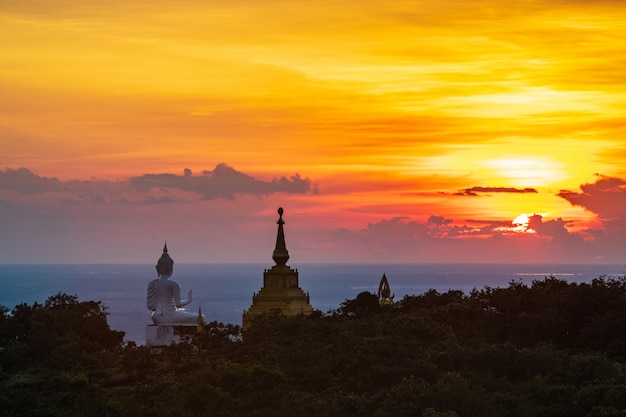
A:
(164, 296)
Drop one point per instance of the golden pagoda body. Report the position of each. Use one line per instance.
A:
(280, 291)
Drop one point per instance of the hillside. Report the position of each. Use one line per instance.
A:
(552, 348)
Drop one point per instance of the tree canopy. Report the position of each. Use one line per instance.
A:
(551, 348)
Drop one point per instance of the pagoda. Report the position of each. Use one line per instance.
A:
(280, 292)
(384, 291)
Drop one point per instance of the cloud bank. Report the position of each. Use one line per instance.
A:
(24, 181)
(221, 182)
(224, 215)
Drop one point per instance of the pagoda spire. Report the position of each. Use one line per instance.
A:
(280, 255)
(200, 320)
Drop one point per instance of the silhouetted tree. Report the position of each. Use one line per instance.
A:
(551, 348)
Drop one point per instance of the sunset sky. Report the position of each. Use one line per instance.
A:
(389, 131)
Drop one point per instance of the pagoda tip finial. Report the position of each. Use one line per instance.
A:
(280, 255)
(280, 216)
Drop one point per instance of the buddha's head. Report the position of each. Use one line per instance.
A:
(165, 264)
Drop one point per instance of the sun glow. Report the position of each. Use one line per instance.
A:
(521, 220)
(518, 225)
(528, 171)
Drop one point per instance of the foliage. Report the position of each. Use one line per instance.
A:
(51, 356)
(552, 348)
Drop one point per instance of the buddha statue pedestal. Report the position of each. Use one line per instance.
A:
(167, 334)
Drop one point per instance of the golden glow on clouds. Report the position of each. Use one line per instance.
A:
(526, 171)
(387, 104)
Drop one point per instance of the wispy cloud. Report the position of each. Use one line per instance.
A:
(475, 191)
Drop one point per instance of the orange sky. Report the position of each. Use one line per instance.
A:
(405, 131)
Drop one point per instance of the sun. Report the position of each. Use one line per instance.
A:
(521, 220)
(518, 225)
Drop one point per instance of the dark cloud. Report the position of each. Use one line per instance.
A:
(25, 181)
(473, 191)
(435, 227)
(555, 228)
(438, 220)
(606, 197)
(223, 182)
(495, 223)
(163, 199)
(563, 244)
(439, 226)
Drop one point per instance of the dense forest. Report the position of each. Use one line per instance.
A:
(551, 348)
